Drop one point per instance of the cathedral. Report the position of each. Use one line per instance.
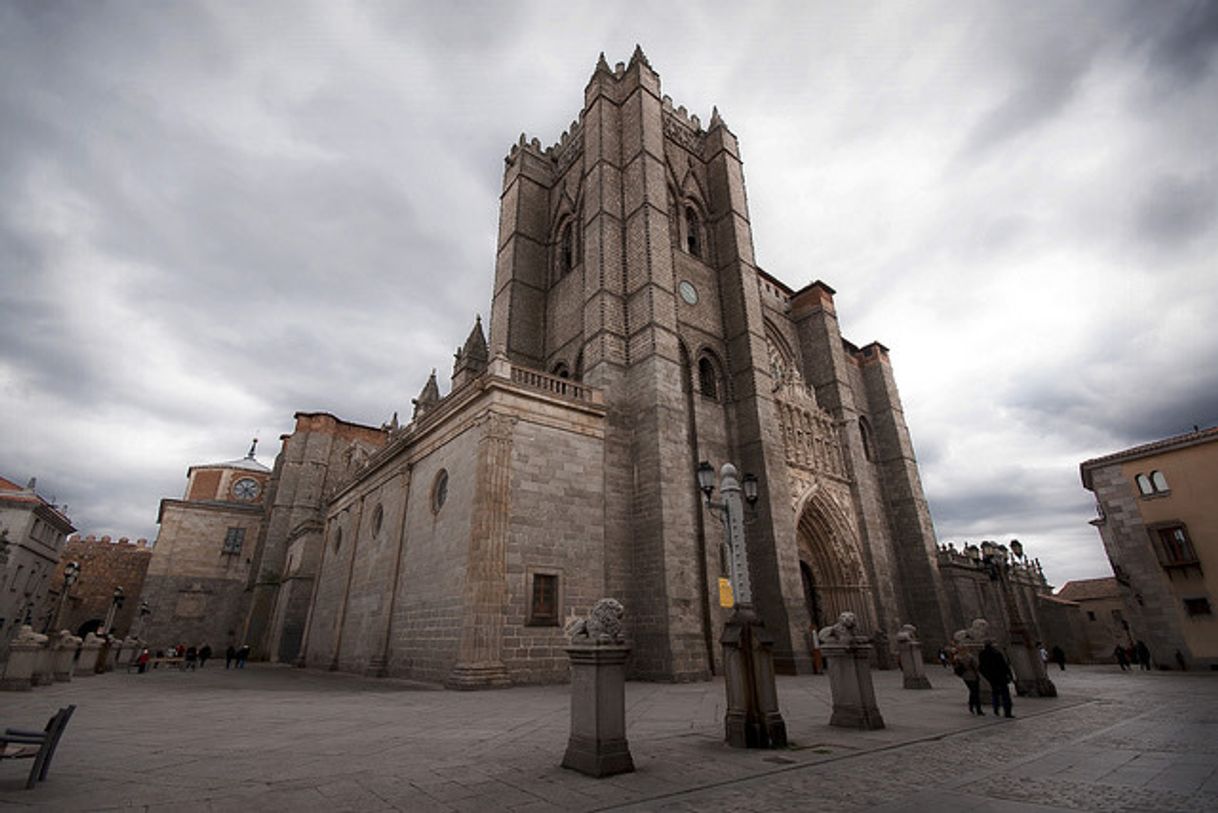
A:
(631, 335)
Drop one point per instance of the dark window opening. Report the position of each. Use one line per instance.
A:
(708, 383)
(566, 250)
(233, 540)
(1197, 606)
(1174, 546)
(543, 608)
(1090, 615)
(865, 432)
(693, 242)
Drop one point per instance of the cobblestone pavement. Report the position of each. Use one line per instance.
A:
(276, 738)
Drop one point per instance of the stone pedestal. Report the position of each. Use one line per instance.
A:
(128, 652)
(752, 719)
(909, 654)
(23, 654)
(44, 666)
(597, 745)
(64, 646)
(90, 649)
(850, 682)
(1031, 680)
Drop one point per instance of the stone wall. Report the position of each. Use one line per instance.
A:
(104, 565)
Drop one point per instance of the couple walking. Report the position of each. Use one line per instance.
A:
(991, 665)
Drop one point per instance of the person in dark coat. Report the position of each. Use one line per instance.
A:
(243, 655)
(966, 668)
(1143, 653)
(1121, 657)
(204, 654)
(229, 655)
(1058, 656)
(191, 655)
(997, 672)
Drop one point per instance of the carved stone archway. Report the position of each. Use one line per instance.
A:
(834, 577)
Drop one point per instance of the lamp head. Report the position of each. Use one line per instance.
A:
(1017, 548)
(749, 484)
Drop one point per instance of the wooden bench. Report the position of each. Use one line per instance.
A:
(17, 743)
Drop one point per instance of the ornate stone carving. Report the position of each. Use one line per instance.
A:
(602, 626)
(682, 134)
(976, 635)
(908, 634)
(844, 633)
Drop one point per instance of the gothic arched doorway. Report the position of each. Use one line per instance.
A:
(830, 564)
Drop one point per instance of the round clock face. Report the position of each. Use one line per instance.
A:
(246, 489)
(688, 292)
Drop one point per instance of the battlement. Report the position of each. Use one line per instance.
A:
(122, 541)
(681, 115)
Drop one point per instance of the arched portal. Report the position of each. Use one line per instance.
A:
(831, 565)
(92, 625)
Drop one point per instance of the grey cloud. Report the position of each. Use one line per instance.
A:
(1176, 210)
(1188, 43)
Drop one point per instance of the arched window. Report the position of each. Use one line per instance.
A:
(561, 371)
(1159, 482)
(865, 432)
(708, 379)
(1144, 485)
(693, 241)
(566, 249)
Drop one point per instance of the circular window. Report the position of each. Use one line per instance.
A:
(338, 538)
(439, 491)
(688, 292)
(378, 516)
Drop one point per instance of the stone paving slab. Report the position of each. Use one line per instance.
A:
(276, 738)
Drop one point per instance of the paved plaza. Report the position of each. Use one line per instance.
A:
(276, 738)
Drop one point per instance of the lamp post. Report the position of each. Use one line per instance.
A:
(752, 719)
(1030, 676)
(71, 572)
(116, 602)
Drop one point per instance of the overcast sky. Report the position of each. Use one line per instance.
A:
(217, 214)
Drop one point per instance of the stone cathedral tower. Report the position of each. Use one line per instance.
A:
(625, 257)
(631, 336)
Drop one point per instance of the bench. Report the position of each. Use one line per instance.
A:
(17, 743)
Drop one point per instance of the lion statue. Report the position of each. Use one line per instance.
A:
(844, 632)
(602, 626)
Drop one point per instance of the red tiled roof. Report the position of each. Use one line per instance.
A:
(1089, 589)
(8, 485)
(1156, 446)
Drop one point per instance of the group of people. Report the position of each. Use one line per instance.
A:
(1137, 653)
(989, 664)
(195, 657)
(1057, 655)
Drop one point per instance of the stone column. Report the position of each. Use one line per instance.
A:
(849, 657)
(479, 660)
(23, 654)
(909, 653)
(65, 647)
(90, 650)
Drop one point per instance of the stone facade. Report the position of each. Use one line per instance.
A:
(104, 565)
(1158, 520)
(202, 557)
(632, 335)
(1103, 616)
(32, 532)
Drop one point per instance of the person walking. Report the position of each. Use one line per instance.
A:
(1143, 653)
(966, 668)
(229, 655)
(1122, 658)
(191, 654)
(204, 654)
(997, 672)
(1058, 656)
(243, 655)
(142, 661)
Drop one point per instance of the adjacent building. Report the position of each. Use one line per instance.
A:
(105, 564)
(1103, 610)
(201, 560)
(32, 532)
(1158, 519)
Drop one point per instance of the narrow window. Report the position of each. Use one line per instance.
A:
(543, 606)
(566, 249)
(439, 491)
(865, 432)
(1197, 606)
(1159, 482)
(338, 538)
(707, 383)
(378, 518)
(233, 540)
(1175, 545)
(692, 237)
(1144, 485)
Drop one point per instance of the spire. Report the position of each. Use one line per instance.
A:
(428, 397)
(716, 120)
(472, 357)
(253, 447)
(602, 65)
(639, 56)
(475, 343)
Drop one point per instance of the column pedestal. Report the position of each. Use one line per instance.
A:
(850, 682)
(23, 654)
(90, 650)
(752, 719)
(65, 647)
(597, 745)
(909, 654)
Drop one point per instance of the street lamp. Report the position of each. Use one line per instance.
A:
(144, 612)
(116, 603)
(752, 719)
(71, 572)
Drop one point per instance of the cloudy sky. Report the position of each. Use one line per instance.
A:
(217, 214)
